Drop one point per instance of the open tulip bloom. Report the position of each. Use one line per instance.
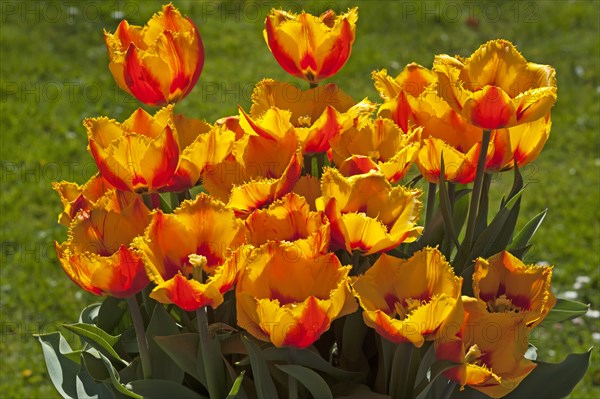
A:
(289, 250)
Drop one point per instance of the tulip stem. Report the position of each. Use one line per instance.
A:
(140, 334)
(212, 370)
(474, 204)
(292, 383)
(431, 191)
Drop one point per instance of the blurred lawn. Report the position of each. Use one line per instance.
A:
(54, 73)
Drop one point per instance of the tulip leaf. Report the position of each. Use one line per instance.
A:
(111, 313)
(62, 368)
(163, 367)
(353, 336)
(445, 205)
(308, 359)
(237, 385)
(436, 370)
(115, 378)
(315, 384)
(182, 349)
(89, 314)
(565, 309)
(159, 389)
(96, 338)
(405, 367)
(95, 366)
(265, 387)
(484, 201)
(523, 237)
(356, 391)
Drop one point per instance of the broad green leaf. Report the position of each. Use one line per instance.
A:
(564, 309)
(62, 369)
(265, 387)
(553, 380)
(209, 354)
(160, 389)
(437, 368)
(445, 205)
(237, 385)
(163, 367)
(353, 336)
(164, 204)
(482, 209)
(309, 359)
(96, 338)
(404, 370)
(358, 391)
(110, 313)
(95, 366)
(182, 349)
(523, 237)
(115, 378)
(89, 314)
(315, 384)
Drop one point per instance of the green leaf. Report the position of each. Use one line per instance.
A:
(62, 369)
(115, 378)
(553, 380)
(310, 359)
(95, 366)
(445, 205)
(315, 384)
(182, 349)
(523, 237)
(564, 309)
(405, 367)
(96, 338)
(265, 387)
(237, 385)
(163, 367)
(110, 313)
(358, 391)
(437, 368)
(89, 314)
(353, 336)
(160, 389)
(165, 206)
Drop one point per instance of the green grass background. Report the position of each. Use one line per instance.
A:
(54, 73)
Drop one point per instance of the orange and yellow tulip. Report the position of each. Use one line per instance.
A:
(368, 214)
(310, 47)
(505, 284)
(490, 348)
(265, 163)
(140, 154)
(496, 87)
(408, 300)
(159, 63)
(318, 114)
(178, 248)
(97, 255)
(288, 299)
(290, 219)
(378, 145)
(76, 198)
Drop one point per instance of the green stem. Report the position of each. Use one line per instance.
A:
(211, 372)
(313, 84)
(320, 164)
(308, 162)
(292, 383)
(140, 333)
(475, 196)
(431, 189)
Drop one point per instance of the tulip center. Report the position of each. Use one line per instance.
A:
(474, 356)
(407, 306)
(304, 121)
(502, 304)
(196, 265)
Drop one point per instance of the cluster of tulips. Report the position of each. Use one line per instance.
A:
(290, 228)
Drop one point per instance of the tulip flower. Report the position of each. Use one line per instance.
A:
(490, 348)
(408, 300)
(98, 256)
(140, 154)
(203, 226)
(379, 145)
(496, 87)
(290, 300)
(411, 99)
(318, 114)
(310, 47)
(290, 219)
(368, 214)
(265, 163)
(505, 284)
(159, 63)
(76, 198)
(519, 144)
